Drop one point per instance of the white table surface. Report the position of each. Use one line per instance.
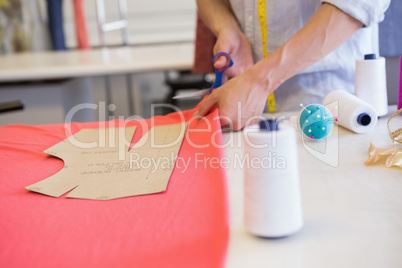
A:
(79, 63)
(352, 212)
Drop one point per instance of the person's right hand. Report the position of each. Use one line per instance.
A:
(236, 44)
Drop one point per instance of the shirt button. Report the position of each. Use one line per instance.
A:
(250, 18)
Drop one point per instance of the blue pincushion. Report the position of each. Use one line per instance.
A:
(316, 121)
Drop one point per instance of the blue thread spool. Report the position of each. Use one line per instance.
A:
(370, 57)
(269, 125)
(316, 121)
(364, 119)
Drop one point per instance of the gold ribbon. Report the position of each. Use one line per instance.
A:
(396, 136)
(393, 155)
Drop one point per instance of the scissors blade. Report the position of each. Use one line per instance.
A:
(199, 93)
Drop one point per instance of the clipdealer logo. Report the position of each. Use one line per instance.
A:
(325, 150)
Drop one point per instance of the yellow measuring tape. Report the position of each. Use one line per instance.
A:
(263, 24)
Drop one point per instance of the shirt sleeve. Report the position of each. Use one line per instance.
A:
(368, 12)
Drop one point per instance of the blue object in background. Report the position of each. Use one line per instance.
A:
(316, 121)
(55, 17)
(390, 34)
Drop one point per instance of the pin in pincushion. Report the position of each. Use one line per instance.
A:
(316, 121)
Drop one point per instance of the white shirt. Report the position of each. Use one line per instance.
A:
(335, 71)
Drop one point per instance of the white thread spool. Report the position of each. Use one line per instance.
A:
(272, 192)
(371, 82)
(352, 113)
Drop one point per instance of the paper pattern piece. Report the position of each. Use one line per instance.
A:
(392, 156)
(99, 165)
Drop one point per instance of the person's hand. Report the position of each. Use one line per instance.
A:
(235, 99)
(236, 44)
(241, 101)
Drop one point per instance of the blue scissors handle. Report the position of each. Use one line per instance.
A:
(219, 72)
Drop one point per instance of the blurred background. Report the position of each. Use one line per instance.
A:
(24, 28)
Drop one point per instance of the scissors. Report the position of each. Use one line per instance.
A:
(218, 79)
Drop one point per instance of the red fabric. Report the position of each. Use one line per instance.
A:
(80, 25)
(186, 226)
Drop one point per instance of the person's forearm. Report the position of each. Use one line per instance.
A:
(217, 15)
(328, 28)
